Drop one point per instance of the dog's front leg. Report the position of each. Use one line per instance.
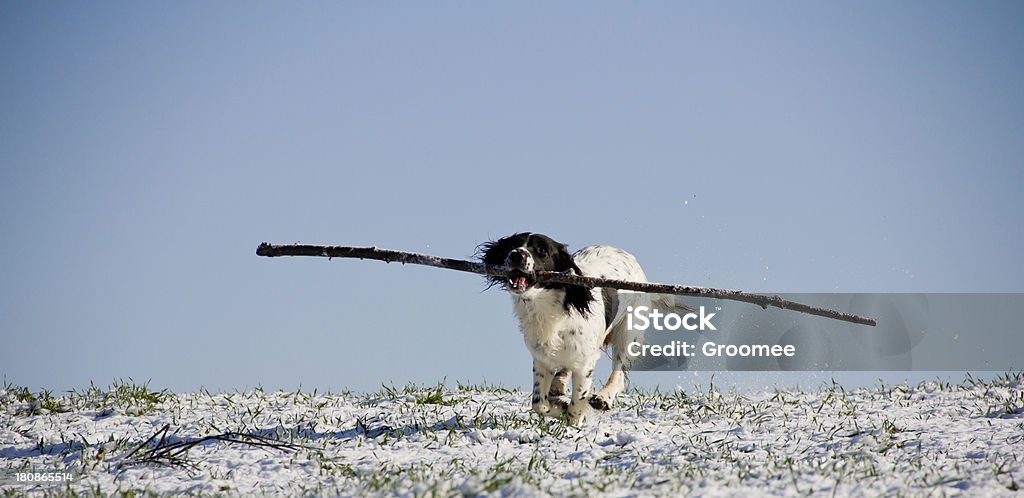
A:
(582, 382)
(542, 403)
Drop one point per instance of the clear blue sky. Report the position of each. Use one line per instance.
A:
(147, 148)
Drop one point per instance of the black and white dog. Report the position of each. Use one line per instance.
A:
(566, 327)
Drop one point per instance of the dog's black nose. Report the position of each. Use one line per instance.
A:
(516, 257)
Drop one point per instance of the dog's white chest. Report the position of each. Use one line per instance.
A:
(553, 336)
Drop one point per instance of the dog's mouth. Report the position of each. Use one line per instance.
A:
(519, 281)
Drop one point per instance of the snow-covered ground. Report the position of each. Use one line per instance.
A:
(930, 439)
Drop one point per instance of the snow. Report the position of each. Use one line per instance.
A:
(931, 438)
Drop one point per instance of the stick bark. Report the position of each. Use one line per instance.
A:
(415, 258)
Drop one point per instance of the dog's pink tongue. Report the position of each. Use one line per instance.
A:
(521, 282)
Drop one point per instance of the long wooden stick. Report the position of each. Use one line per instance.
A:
(414, 258)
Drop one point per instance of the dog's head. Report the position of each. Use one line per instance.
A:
(525, 253)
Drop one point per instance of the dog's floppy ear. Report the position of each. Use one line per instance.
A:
(576, 297)
(564, 261)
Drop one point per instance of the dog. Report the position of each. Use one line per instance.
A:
(566, 327)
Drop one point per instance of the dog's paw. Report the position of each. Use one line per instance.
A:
(558, 406)
(600, 403)
(553, 407)
(576, 419)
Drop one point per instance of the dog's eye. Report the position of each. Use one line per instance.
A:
(543, 251)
